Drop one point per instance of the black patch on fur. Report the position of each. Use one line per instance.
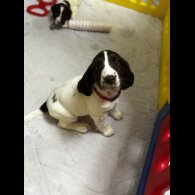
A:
(98, 65)
(84, 85)
(68, 4)
(44, 108)
(55, 9)
(66, 14)
(54, 98)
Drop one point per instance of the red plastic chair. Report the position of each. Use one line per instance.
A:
(159, 176)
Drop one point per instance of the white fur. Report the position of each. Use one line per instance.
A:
(74, 5)
(108, 70)
(59, 17)
(32, 115)
(71, 104)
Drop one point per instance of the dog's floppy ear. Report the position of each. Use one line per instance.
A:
(54, 8)
(85, 84)
(127, 76)
(127, 81)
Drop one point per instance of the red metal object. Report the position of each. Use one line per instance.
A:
(158, 181)
(41, 6)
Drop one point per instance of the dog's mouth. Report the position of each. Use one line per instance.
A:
(55, 25)
(110, 83)
(114, 86)
(60, 22)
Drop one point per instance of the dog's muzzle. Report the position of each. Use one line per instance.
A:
(110, 79)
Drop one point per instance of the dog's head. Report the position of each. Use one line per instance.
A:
(109, 71)
(60, 13)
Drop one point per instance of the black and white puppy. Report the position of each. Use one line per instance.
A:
(63, 11)
(95, 94)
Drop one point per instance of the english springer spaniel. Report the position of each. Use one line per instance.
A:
(95, 94)
(63, 11)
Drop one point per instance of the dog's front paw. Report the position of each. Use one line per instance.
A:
(116, 114)
(107, 131)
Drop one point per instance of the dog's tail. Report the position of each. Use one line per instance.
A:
(39, 112)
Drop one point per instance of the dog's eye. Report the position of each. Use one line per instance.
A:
(96, 67)
(117, 62)
(55, 14)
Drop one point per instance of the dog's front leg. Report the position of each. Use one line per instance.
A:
(102, 125)
(115, 113)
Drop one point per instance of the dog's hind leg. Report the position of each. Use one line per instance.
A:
(66, 119)
(76, 126)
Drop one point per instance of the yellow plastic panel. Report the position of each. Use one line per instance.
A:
(164, 90)
(152, 7)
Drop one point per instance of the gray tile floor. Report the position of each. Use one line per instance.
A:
(61, 162)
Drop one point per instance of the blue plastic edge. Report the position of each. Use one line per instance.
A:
(162, 114)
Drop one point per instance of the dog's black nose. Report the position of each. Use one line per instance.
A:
(110, 79)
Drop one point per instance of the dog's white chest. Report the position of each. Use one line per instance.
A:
(107, 105)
